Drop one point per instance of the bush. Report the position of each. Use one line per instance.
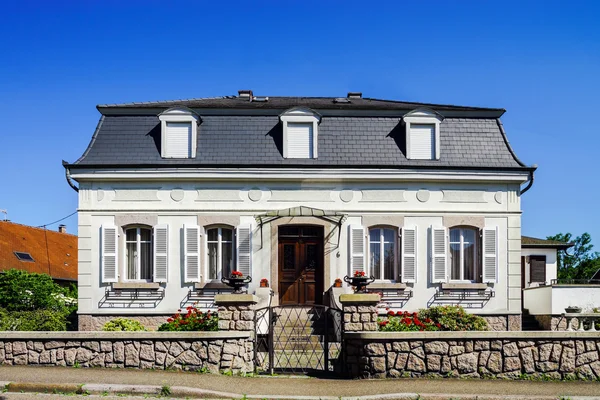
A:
(192, 320)
(123, 324)
(24, 291)
(438, 318)
(37, 320)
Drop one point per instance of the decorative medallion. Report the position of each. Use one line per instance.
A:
(498, 197)
(423, 195)
(255, 194)
(177, 194)
(100, 195)
(346, 196)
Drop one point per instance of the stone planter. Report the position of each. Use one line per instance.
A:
(573, 310)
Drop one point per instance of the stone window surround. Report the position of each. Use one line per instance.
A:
(123, 222)
(210, 221)
(329, 242)
(395, 222)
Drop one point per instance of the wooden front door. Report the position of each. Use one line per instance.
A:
(300, 264)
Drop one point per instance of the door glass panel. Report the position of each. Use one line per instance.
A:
(375, 260)
(455, 254)
(289, 231)
(212, 260)
(213, 235)
(388, 235)
(131, 249)
(289, 256)
(227, 234)
(226, 258)
(311, 232)
(311, 257)
(388, 261)
(146, 260)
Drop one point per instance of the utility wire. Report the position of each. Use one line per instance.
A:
(52, 223)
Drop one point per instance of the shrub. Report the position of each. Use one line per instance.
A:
(454, 318)
(438, 318)
(192, 320)
(36, 320)
(123, 324)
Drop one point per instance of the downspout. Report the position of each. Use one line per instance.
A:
(529, 181)
(68, 176)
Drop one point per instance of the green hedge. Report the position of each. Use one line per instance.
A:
(37, 320)
(123, 324)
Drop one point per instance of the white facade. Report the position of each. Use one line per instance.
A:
(234, 198)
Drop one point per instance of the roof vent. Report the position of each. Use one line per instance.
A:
(355, 95)
(341, 100)
(62, 228)
(260, 98)
(245, 94)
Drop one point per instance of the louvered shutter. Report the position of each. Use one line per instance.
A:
(191, 258)
(179, 139)
(490, 254)
(439, 254)
(537, 270)
(422, 141)
(244, 249)
(356, 249)
(161, 253)
(409, 254)
(299, 140)
(110, 246)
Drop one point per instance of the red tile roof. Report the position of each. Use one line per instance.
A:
(58, 258)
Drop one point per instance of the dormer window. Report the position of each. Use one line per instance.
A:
(179, 133)
(300, 133)
(422, 134)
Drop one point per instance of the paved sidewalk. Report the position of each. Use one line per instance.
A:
(214, 386)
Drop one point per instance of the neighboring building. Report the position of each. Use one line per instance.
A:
(539, 259)
(174, 195)
(39, 250)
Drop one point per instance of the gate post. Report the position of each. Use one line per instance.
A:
(360, 311)
(236, 311)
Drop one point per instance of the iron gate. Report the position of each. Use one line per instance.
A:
(302, 339)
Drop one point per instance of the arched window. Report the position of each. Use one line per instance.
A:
(138, 253)
(464, 254)
(382, 253)
(220, 252)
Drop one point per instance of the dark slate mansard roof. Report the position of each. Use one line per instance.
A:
(237, 132)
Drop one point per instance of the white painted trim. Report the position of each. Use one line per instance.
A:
(302, 174)
(178, 115)
(423, 117)
(301, 115)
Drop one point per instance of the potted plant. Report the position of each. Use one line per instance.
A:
(264, 282)
(359, 280)
(237, 280)
(573, 309)
(337, 282)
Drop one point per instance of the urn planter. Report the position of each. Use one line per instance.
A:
(359, 282)
(237, 283)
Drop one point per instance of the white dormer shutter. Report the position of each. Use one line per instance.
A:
(178, 140)
(161, 253)
(422, 141)
(409, 254)
(490, 254)
(439, 254)
(300, 140)
(110, 249)
(356, 249)
(191, 257)
(244, 249)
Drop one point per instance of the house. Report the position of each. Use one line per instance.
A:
(174, 195)
(39, 250)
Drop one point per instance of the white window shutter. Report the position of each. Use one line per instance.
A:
(244, 249)
(439, 254)
(179, 139)
(409, 254)
(490, 254)
(191, 249)
(161, 253)
(110, 249)
(422, 141)
(300, 138)
(356, 249)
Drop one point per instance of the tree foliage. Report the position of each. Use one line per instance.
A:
(578, 262)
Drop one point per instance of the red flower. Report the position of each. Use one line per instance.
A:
(438, 325)
(391, 313)
(236, 274)
(169, 319)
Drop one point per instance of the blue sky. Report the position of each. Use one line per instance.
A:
(539, 60)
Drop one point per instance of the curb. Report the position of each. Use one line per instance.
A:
(189, 392)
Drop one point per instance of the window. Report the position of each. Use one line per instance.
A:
(537, 266)
(138, 254)
(179, 127)
(464, 254)
(422, 134)
(220, 252)
(22, 256)
(382, 253)
(300, 133)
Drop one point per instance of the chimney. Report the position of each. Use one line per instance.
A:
(245, 94)
(62, 228)
(355, 95)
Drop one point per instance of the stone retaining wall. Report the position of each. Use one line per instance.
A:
(554, 355)
(211, 351)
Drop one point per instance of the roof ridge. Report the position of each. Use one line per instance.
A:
(36, 227)
(140, 103)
